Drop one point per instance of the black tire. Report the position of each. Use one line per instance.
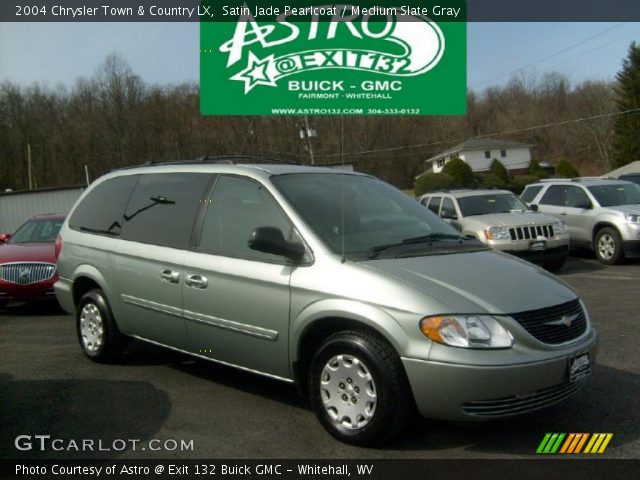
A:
(393, 400)
(555, 265)
(93, 306)
(608, 246)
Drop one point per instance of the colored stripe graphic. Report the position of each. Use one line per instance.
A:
(579, 443)
(573, 443)
(550, 443)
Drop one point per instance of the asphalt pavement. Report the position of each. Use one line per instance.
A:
(196, 409)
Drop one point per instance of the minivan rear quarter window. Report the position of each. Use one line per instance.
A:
(163, 208)
(101, 210)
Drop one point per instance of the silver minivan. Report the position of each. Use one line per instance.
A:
(336, 281)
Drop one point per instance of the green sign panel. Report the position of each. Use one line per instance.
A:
(365, 59)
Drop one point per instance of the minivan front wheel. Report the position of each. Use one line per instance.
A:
(609, 246)
(358, 388)
(98, 333)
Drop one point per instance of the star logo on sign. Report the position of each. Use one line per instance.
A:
(256, 73)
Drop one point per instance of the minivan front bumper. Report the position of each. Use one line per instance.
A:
(468, 392)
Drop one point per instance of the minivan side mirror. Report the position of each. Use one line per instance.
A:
(4, 238)
(533, 207)
(271, 240)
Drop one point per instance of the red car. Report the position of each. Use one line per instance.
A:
(28, 260)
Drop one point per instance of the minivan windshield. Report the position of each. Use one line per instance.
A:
(616, 194)
(360, 216)
(38, 231)
(491, 203)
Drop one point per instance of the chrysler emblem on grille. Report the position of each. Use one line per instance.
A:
(565, 320)
(25, 275)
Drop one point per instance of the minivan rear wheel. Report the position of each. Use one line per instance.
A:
(98, 333)
(608, 246)
(358, 388)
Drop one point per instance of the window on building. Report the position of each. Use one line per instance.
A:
(503, 153)
(441, 163)
(487, 154)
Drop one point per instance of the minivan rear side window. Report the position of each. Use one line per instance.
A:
(163, 208)
(530, 193)
(101, 210)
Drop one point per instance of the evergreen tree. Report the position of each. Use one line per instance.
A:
(626, 139)
(499, 170)
(460, 172)
(566, 170)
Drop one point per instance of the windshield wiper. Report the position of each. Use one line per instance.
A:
(431, 237)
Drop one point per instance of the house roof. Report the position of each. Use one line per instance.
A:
(633, 167)
(479, 144)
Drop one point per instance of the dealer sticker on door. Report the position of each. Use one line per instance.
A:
(364, 58)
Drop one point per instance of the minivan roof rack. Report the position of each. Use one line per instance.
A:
(226, 159)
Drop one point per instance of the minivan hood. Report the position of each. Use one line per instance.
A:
(478, 282)
(511, 219)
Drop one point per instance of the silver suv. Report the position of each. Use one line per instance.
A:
(501, 220)
(335, 281)
(601, 214)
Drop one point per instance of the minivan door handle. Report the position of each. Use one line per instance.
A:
(169, 276)
(196, 281)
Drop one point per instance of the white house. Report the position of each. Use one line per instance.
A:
(479, 154)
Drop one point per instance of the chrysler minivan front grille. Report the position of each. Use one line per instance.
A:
(554, 325)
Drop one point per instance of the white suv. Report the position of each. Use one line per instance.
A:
(601, 214)
(502, 221)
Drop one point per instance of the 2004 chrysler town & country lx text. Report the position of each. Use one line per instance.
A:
(333, 280)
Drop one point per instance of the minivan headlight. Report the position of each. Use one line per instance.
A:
(497, 233)
(559, 227)
(632, 217)
(466, 331)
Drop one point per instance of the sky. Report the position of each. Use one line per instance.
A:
(167, 53)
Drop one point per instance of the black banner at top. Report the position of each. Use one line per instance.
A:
(188, 10)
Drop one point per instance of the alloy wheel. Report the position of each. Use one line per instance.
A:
(606, 246)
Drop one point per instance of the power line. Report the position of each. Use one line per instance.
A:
(632, 111)
(553, 55)
(635, 32)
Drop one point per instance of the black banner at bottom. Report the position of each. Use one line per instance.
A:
(543, 468)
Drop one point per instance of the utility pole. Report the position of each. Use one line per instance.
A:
(29, 172)
(308, 135)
